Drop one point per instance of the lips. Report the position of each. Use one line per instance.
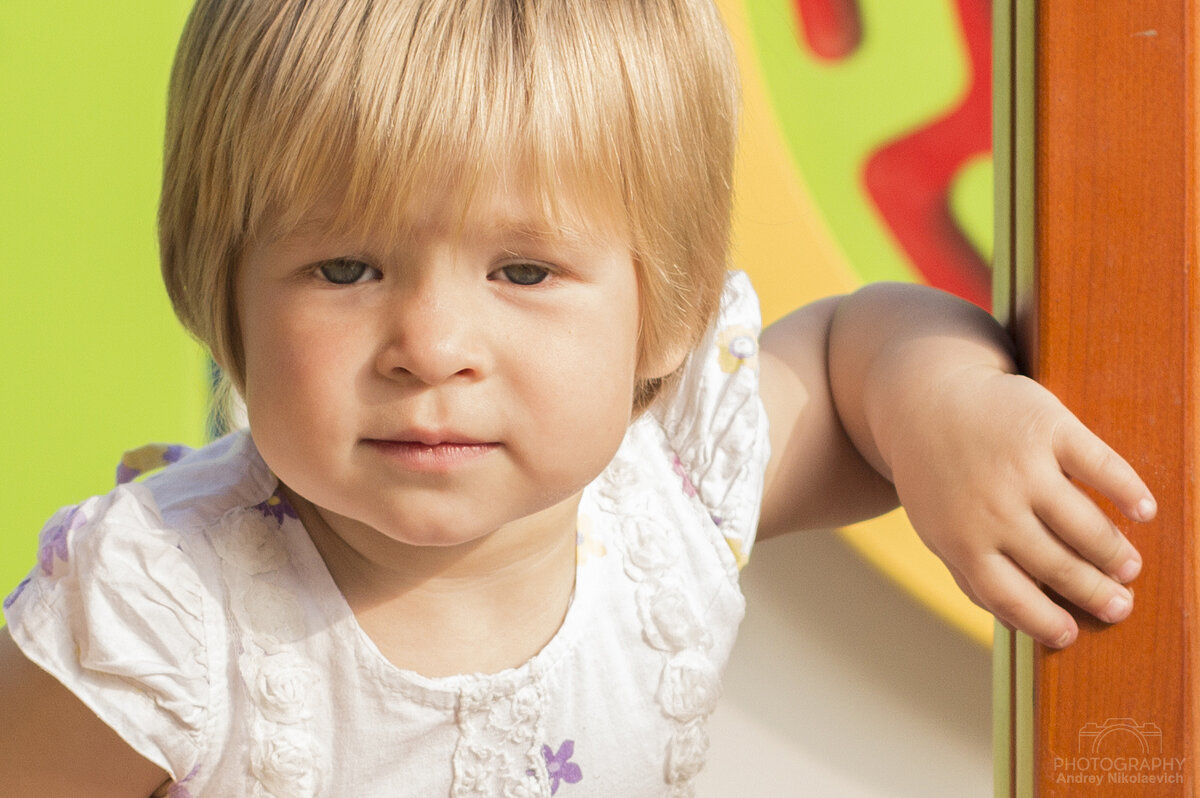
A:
(430, 437)
(432, 451)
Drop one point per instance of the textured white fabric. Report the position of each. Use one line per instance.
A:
(193, 614)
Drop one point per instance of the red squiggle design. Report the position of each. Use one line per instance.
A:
(909, 179)
(832, 28)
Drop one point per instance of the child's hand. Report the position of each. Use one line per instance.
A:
(988, 464)
(987, 473)
(985, 462)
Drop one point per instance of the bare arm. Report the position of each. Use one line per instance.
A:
(52, 744)
(816, 477)
(916, 387)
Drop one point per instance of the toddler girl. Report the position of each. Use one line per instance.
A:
(465, 263)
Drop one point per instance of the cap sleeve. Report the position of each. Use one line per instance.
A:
(714, 419)
(113, 610)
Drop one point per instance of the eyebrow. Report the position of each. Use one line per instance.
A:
(528, 230)
(309, 226)
(504, 227)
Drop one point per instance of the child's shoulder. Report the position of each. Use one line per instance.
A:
(141, 531)
(713, 419)
(722, 369)
(200, 486)
(114, 609)
(146, 519)
(123, 603)
(703, 442)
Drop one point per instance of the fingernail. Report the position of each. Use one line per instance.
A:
(1064, 640)
(1145, 509)
(1129, 570)
(1118, 608)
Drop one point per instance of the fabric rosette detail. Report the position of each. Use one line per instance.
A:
(272, 612)
(250, 544)
(499, 754)
(653, 549)
(516, 719)
(690, 683)
(285, 757)
(282, 685)
(686, 757)
(522, 789)
(690, 687)
(669, 621)
(284, 761)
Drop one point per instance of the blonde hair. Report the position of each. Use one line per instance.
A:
(627, 106)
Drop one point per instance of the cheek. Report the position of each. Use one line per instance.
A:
(265, 359)
(591, 377)
(288, 368)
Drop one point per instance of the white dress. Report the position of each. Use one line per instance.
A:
(192, 613)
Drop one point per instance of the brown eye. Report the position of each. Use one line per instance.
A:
(346, 271)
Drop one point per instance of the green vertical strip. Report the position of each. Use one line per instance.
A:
(1002, 306)
(1023, 716)
(1002, 716)
(1024, 152)
(1002, 153)
(1024, 260)
(1014, 285)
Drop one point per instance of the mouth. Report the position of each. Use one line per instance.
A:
(429, 451)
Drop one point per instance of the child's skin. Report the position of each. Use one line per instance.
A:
(527, 390)
(434, 410)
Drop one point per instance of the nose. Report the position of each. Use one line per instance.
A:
(431, 335)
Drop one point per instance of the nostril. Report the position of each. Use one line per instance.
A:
(430, 364)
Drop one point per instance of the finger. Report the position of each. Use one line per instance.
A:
(964, 584)
(1045, 558)
(1085, 457)
(1074, 518)
(1015, 599)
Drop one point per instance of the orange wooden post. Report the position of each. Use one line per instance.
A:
(1096, 272)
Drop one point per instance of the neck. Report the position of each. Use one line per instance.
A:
(480, 606)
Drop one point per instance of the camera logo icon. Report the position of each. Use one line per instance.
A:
(1123, 734)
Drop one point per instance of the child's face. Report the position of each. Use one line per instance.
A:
(441, 389)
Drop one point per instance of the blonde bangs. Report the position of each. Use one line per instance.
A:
(378, 133)
(623, 112)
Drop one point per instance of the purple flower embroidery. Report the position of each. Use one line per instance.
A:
(179, 789)
(148, 458)
(16, 594)
(559, 768)
(52, 543)
(688, 488)
(276, 507)
(737, 346)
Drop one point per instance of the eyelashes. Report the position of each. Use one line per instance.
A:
(347, 271)
(351, 271)
(522, 273)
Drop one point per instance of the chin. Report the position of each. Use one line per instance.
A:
(433, 534)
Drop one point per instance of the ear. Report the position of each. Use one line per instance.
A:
(660, 364)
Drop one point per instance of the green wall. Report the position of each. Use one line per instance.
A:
(92, 360)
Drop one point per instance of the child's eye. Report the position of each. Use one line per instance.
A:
(522, 273)
(347, 271)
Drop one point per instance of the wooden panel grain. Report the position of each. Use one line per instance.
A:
(1114, 310)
